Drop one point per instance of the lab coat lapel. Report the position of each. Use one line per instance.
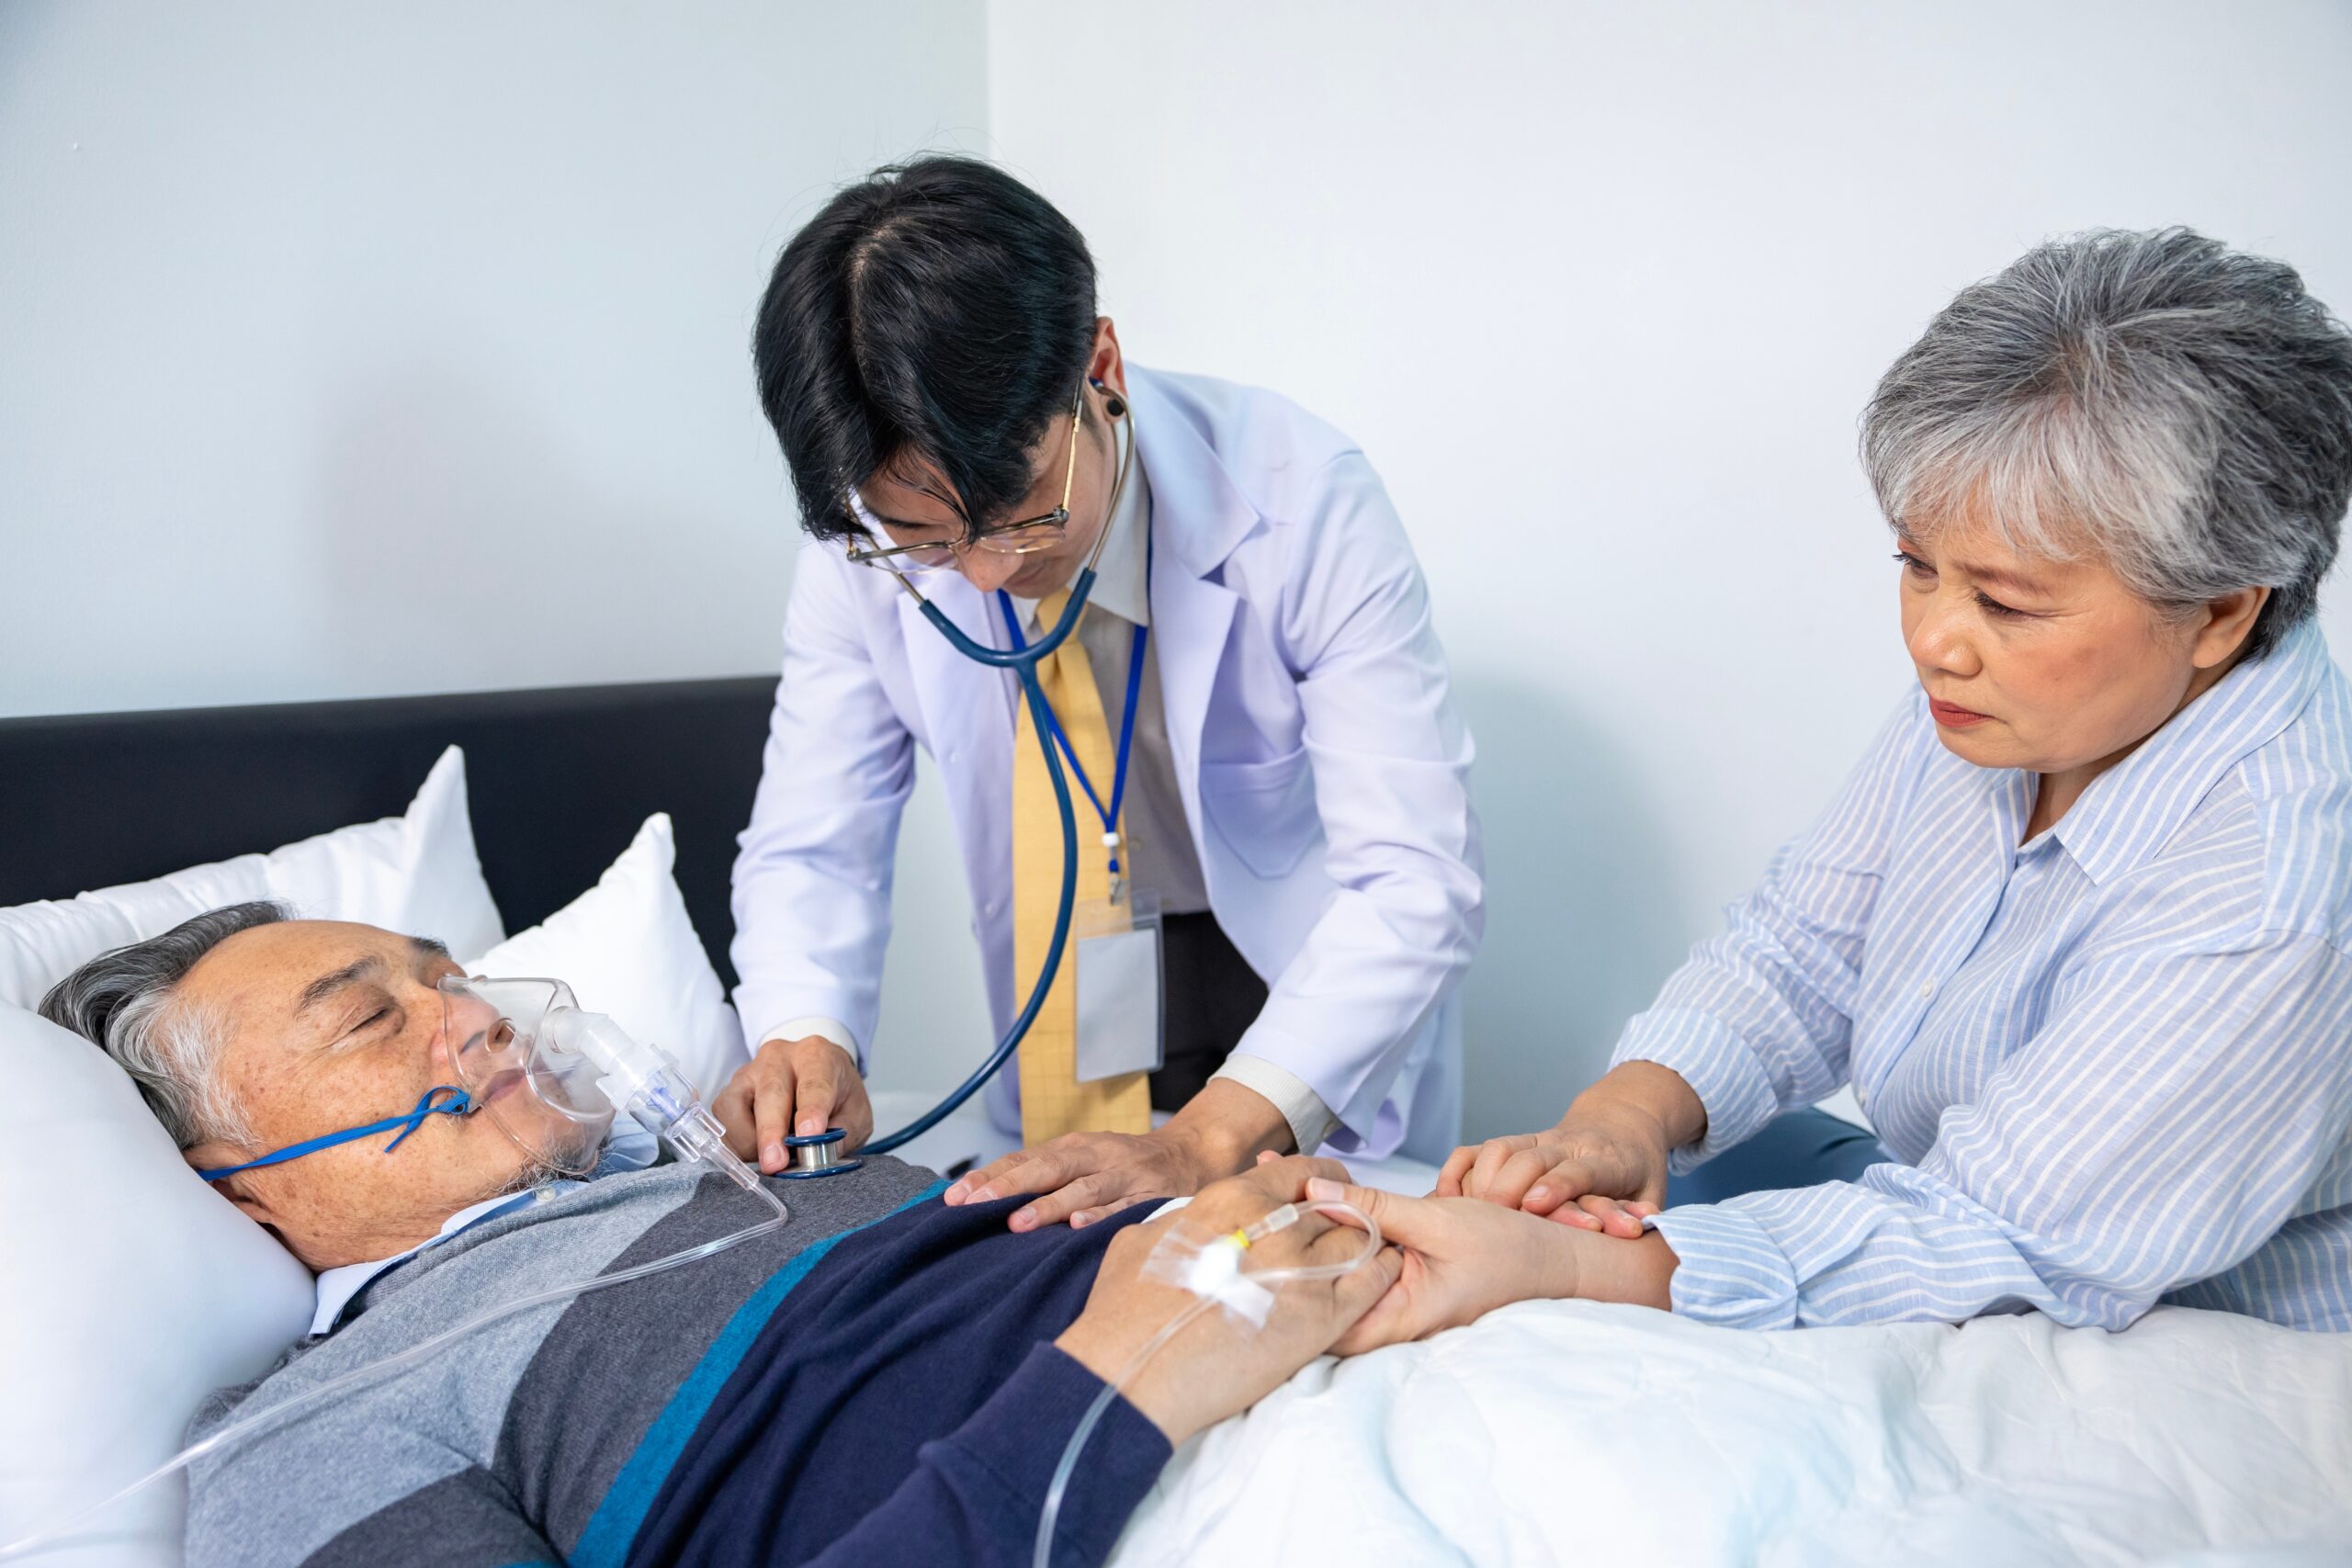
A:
(1197, 517)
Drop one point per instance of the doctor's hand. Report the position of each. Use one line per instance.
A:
(1602, 1169)
(1214, 1368)
(1088, 1175)
(1464, 1258)
(793, 1088)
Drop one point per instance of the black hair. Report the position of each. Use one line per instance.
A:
(937, 308)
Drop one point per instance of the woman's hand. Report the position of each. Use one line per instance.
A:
(1602, 1169)
(793, 1089)
(1464, 1258)
(1214, 1368)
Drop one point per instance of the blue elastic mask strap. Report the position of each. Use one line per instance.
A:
(457, 1104)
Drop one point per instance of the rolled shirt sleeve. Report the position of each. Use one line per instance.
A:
(2108, 1161)
(1311, 1120)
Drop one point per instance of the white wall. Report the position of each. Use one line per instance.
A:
(382, 348)
(374, 348)
(1602, 290)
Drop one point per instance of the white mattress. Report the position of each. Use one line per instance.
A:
(1574, 1433)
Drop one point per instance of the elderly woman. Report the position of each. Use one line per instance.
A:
(2075, 929)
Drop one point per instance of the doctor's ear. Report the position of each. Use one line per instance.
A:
(1106, 367)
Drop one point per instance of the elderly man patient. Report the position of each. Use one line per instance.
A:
(2075, 929)
(881, 1380)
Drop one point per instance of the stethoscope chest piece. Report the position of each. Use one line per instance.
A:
(815, 1156)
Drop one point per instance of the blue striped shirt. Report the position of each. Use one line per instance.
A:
(2113, 1063)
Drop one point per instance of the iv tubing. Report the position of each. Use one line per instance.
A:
(1042, 1555)
(244, 1425)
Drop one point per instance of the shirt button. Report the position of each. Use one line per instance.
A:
(1926, 989)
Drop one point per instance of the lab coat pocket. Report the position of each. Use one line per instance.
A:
(1265, 811)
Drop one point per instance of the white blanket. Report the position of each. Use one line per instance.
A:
(1573, 1433)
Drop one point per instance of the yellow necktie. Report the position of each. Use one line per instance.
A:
(1052, 1099)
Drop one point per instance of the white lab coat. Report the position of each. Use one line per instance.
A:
(1323, 767)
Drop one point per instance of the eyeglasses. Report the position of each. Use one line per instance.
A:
(1026, 537)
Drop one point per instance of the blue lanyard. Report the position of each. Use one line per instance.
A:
(1109, 814)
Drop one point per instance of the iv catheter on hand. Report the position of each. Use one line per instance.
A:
(1212, 1272)
(1023, 662)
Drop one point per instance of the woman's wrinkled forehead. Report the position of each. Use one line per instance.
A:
(2016, 515)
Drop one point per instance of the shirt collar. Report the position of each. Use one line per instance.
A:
(2134, 809)
(1122, 582)
(631, 1148)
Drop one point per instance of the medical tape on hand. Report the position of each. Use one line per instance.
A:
(1211, 1270)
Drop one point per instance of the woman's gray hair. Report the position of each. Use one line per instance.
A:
(2183, 408)
(124, 1002)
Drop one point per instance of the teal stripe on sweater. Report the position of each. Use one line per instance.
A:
(612, 1530)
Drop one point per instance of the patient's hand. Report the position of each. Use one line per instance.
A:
(792, 1089)
(1216, 1369)
(1464, 1258)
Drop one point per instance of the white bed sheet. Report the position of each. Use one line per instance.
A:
(1562, 1432)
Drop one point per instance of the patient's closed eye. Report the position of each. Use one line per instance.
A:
(373, 1019)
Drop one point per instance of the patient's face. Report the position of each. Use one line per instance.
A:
(332, 1026)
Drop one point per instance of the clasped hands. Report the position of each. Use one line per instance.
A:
(1551, 1215)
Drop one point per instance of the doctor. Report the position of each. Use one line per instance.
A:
(1268, 770)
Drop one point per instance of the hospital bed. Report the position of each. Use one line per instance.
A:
(1552, 1432)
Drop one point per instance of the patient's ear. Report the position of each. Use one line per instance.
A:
(212, 1156)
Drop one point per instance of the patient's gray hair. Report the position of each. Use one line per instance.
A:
(124, 1002)
(2181, 408)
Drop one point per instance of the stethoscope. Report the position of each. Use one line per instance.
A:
(814, 1155)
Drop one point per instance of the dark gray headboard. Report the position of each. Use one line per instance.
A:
(559, 778)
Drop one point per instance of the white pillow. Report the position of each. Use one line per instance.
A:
(628, 949)
(416, 874)
(129, 1289)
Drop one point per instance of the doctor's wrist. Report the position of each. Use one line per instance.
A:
(1226, 1126)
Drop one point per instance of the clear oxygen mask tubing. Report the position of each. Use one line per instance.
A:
(1213, 1270)
(553, 1079)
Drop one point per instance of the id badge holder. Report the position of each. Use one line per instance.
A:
(1119, 1017)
